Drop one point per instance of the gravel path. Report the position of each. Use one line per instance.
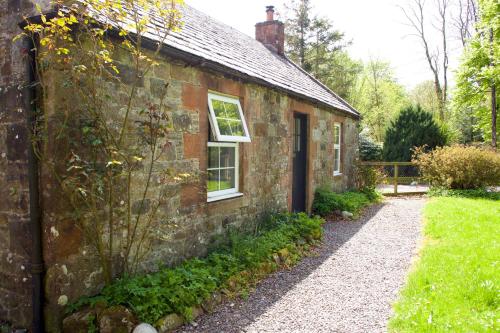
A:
(348, 286)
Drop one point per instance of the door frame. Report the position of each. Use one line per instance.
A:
(306, 117)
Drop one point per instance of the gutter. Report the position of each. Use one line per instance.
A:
(37, 266)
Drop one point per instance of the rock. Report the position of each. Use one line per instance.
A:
(79, 322)
(144, 328)
(116, 319)
(169, 323)
(211, 302)
(347, 215)
(196, 311)
(277, 259)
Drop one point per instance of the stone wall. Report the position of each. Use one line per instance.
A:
(187, 224)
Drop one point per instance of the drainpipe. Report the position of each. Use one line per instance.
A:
(37, 267)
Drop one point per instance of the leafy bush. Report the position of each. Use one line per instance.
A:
(326, 202)
(459, 167)
(177, 290)
(369, 150)
(412, 128)
(475, 193)
(368, 177)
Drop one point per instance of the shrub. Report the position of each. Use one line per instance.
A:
(178, 289)
(326, 202)
(368, 177)
(369, 150)
(475, 193)
(412, 128)
(459, 167)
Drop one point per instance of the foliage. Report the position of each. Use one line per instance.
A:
(424, 94)
(326, 202)
(480, 69)
(412, 128)
(231, 268)
(459, 167)
(378, 97)
(314, 44)
(454, 286)
(101, 148)
(369, 150)
(367, 179)
(474, 193)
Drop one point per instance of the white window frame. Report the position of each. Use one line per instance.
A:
(232, 192)
(213, 119)
(337, 146)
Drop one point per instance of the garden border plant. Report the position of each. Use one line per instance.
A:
(327, 202)
(231, 270)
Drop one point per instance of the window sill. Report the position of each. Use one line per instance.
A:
(337, 174)
(224, 197)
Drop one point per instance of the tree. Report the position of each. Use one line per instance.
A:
(378, 96)
(424, 95)
(369, 150)
(479, 73)
(314, 44)
(412, 128)
(437, 60)
(466, 20)
(101, 149)
(298, 26)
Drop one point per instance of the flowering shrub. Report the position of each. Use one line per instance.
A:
(459, 167)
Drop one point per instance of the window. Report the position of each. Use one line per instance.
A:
(336, 148)
(226, 119)
(228, 129)
(222, 180)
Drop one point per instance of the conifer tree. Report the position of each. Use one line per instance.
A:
(412, 128)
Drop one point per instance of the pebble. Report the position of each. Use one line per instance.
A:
(347, 286)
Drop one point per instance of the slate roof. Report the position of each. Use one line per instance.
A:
(213, 41)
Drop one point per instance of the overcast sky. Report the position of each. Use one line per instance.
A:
(376, 28)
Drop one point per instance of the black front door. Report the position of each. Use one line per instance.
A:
(299, 163)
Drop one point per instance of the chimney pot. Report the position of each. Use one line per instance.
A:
(270, 13)
(271, 32)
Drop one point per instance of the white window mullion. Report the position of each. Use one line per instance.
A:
(337, 137)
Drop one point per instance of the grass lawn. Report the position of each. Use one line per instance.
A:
(455, 286)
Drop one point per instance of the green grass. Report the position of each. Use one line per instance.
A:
(213, 185)
(455, 286)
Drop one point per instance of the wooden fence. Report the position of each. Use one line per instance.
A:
(402, 174)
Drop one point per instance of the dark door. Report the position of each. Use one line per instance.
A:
(299, 163)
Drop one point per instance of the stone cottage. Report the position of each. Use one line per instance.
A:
(263, 132)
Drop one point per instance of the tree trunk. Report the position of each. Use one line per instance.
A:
(494, 116)
(493, 100)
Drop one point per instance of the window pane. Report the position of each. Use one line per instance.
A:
(337, 134)
(218, 107)
(213, 157)
(227, 157)
(224, 127)
(232, 111)
(227, 119)
(236, 128)
(213, 180)
(227, 179)
(337, 160)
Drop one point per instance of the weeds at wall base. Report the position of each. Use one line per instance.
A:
(184, 291)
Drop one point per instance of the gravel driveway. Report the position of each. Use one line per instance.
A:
(348, 286)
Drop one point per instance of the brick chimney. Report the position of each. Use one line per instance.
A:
(271, 32)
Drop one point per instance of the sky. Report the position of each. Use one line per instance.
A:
(376, 28)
